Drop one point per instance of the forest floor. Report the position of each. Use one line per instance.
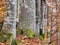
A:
(28, 41)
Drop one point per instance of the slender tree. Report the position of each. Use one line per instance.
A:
(38, 15)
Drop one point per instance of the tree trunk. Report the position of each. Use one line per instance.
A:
(27, 17)
(38, 15)
(10, 17)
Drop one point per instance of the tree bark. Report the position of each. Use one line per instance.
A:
(38, 15)
(27, 16)
(10, 17)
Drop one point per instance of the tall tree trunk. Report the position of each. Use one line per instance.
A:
(38, 15)
(27, 17)
(10, 17)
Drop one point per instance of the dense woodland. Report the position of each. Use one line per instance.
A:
(29, 22)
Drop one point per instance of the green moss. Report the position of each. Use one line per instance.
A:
(9, 35)
(15, 42)
(28, 33)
